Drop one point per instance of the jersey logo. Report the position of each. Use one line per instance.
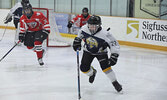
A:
(32, 24)
(38, 14)
(91, 42)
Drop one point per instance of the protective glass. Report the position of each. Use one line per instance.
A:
(93, 28)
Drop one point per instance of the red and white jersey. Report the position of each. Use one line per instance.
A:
(80, 20)
(37, 22)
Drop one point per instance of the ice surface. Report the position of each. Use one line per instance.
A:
(142, 73)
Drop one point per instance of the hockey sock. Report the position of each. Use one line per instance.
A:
(39, 54)
(38, 49)
(110, 74)
(92, 77)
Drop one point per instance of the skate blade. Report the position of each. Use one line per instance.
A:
(121, 92)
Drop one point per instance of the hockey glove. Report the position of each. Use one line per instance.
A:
(8, 20)
(21, 37)
(113, 59)
(77, 44)
(69, 24)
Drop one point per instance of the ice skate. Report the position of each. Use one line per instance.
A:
(91, 78)
(117, 86)
(40, 61)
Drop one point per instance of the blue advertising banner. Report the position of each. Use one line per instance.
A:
(62, 21)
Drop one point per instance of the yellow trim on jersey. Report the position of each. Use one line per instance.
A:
(107, 69)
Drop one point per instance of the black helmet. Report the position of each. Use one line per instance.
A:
(85, 9)
(94, 24)
(95, 20)
(27, 6)
(26, 9)
(24, 2)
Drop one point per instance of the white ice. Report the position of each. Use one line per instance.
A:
(142, 73)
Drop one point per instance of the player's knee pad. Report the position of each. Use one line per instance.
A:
(84, 68)
(104, 64)
(87, 70)
(37, 43)
(28, 47)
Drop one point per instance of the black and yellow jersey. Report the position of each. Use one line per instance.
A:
(95, 43)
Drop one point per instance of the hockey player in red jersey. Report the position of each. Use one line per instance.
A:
(34, 29)
(80, 18)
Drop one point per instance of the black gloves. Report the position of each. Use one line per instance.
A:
(21, 37)
(8, 20)
(77, 44)
(69, 24)
(113, 59)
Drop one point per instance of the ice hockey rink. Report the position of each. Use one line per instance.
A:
(142, 73)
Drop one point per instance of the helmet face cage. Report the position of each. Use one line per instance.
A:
(94, 23)
(27, 10)
(93, 28)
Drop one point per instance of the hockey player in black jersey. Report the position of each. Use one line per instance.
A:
(96, 40)
(16, 12)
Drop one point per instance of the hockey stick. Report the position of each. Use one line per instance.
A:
(78, 72)
(9, 50)
(4, 32)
